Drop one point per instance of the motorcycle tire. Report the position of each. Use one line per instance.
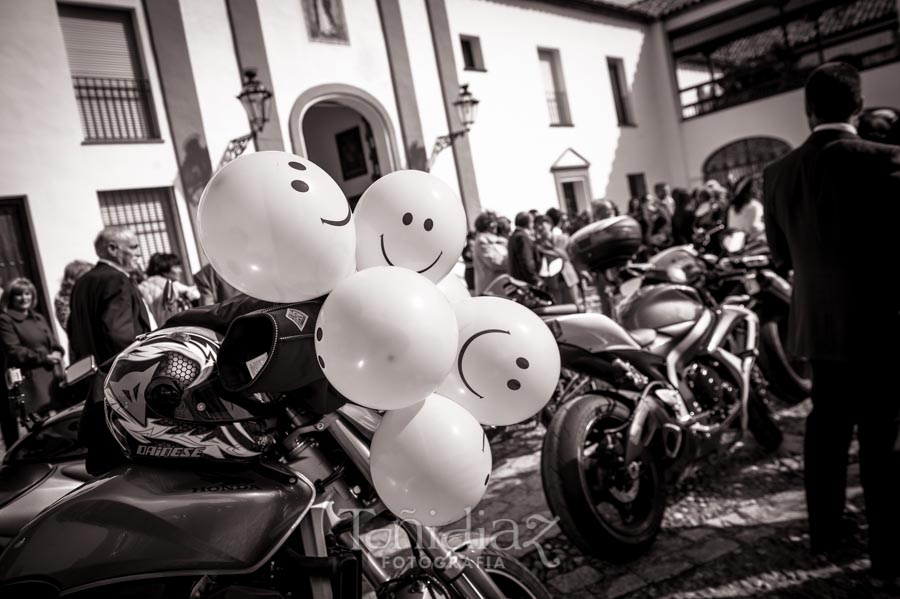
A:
(761, 424)
(512, 576)
(576, 485)
(786, 382)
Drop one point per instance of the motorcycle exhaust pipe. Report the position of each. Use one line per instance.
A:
(672, 438)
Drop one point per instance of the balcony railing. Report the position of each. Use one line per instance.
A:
(764, 81)
(559, 108)
(115, 109)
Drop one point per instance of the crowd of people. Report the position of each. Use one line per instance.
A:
(102, 307)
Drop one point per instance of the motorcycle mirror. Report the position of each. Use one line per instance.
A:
(80, 370)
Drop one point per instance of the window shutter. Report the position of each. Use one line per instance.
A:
(99, 42)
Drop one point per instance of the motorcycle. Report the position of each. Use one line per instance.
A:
(745, 269)
(284, 526)
(663, 395)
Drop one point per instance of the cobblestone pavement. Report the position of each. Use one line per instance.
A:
(735, 528)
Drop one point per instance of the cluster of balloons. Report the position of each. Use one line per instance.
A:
(398, 332)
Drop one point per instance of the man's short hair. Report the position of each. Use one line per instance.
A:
(110, 235)
(833, 92)
(524, 219)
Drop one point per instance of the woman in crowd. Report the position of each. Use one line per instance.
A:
(163, 290)
(746, 212)
(72, 273)
(489, 252)
(8, 425)
(29, 345)
(504, 227)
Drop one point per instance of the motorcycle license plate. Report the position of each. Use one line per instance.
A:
(752, 285)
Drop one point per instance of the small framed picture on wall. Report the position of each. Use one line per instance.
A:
(325, 21)
(351, 153)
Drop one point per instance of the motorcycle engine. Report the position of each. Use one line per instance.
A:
(714, 389)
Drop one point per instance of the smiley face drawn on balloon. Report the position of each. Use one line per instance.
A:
(513, 384)
(507, 364)
(302, 186)
(413, 220)
(407, 221)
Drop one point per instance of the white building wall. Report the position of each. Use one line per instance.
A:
(297, 64)
(43, 158)
(513, 144)
(217, 76)
(781, 116)
(427, 85)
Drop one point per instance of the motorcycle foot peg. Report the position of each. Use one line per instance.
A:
(672, 438)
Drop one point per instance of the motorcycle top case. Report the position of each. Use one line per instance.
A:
(145, 522)
(606, 243)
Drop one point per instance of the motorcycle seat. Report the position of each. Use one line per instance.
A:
(643, 337)
(559, 310)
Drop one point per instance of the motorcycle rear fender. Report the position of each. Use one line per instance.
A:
(141, 522)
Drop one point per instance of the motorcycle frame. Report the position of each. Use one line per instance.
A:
(456, 570)
(717, 329)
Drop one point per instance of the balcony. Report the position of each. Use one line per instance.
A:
(115, 110)
(558, 104)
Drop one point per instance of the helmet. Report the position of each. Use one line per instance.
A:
(164, 400)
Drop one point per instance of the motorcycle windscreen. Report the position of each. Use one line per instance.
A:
(142, 522)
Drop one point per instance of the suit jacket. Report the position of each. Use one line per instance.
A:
(107, 313)
(832, 208)
(524, 263)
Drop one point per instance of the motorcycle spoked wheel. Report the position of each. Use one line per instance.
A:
(511, 576)
(790, 380)
(602, 507)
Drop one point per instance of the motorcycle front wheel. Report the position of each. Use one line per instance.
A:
(512, 576)
(604, 507)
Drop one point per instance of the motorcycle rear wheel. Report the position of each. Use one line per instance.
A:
(789, 380)
(761, 424)
(600, 510)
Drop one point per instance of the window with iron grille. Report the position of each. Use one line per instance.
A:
(150, 213)
(111, 90)
(555, 87)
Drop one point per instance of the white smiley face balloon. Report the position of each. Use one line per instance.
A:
(431, 461)
(277, 227)
(507, 363)
(413, 220)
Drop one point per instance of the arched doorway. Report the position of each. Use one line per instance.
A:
(747, 156)
(347, 132)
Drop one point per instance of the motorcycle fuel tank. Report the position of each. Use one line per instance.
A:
(592, 332)
(142, 521)
(660, 306)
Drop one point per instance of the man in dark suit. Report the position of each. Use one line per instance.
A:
(523, 259)
(107, 310)
(832, 207)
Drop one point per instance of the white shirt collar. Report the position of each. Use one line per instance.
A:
(114, 265)
(835, 127)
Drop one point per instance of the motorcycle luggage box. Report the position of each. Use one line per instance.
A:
(144, 522)
(606, 243)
